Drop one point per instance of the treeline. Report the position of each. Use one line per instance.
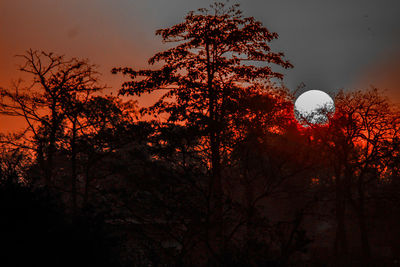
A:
(217, 172)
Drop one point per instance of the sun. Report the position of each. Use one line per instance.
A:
(314, 107)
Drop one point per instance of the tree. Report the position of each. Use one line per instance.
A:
(360, 139)
(47, 103)
(220, 57)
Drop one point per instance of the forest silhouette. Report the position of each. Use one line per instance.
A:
(217, 172)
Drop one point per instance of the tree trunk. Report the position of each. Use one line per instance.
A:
(250, 211)
(40, 157)
(52, 146)
(87, 186)
(216, 183)
(341, 247)
(49, 160)
(73, 168)
(365, 246)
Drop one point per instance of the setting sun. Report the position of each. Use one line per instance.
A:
(314, 107)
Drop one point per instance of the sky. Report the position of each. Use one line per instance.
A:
(333, 44)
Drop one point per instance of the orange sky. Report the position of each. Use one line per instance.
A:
(384, 74)
(332, 45)
(58, 27)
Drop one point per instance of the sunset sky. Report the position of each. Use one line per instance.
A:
(332, 44)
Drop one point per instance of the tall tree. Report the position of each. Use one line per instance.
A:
(219, 57)
(360, 139)
(47, 102)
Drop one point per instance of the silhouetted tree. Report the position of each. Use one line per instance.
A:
(359, 138)
(212, 66)
(46, 103)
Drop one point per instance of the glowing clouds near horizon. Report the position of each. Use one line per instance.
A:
(314, 107)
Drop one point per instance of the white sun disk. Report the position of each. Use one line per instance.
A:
(313, 107)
